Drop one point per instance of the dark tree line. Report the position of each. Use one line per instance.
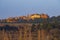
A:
(8, 28)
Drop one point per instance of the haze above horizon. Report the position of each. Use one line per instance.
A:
(13, 8)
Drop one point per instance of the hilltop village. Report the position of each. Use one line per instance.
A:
(28, 18)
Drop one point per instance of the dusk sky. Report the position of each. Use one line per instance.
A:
(13, 8)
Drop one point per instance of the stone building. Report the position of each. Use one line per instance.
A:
(33, 16)
(28, 17)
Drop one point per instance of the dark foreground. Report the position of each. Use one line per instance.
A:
(29, 31)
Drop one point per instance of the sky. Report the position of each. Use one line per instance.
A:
(13, 8)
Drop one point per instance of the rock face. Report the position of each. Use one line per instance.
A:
(27, 32)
